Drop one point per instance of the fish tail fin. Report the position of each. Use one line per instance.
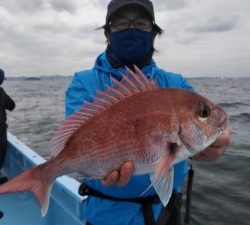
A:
(31, 180)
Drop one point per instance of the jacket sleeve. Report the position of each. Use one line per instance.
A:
(185, 84)
(76, 94)
(8, 103)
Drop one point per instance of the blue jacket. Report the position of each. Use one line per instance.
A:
(81, 89)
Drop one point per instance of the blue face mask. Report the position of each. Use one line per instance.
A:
(130, 46)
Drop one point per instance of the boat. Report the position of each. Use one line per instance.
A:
(22, 208)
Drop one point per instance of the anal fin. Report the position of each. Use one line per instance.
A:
(163, 185)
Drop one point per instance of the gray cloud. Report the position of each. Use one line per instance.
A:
(164, 5)
(47, 41)
(60, 36)
(102, 4)
(63, 5)
(216, 25)
(190, 28)
(33, 6)
(22, 6)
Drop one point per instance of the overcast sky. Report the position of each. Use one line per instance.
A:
(49, 37)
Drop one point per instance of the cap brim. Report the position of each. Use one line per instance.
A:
(126, 4)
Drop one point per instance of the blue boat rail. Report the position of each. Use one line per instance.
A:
(22, 208)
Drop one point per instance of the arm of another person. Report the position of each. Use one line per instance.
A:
(8, 102)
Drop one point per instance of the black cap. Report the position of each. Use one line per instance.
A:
(115, 5)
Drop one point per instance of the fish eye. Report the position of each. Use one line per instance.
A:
(203, 110)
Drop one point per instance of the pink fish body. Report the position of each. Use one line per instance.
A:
(136, 121)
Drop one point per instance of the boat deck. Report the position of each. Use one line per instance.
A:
(23, 208)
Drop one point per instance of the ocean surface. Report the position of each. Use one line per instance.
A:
(221, 190)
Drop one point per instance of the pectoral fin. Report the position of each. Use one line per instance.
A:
(163, 185)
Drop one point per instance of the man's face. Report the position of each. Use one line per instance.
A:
(131, 17)
(130, 35)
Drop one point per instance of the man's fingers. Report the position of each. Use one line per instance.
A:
(112, 178)
(126, 172)
(210, 154)
(223, 140)
(119, 178)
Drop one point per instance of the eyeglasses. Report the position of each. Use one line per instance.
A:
(139, 23)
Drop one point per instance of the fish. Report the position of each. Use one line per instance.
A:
(133, 120)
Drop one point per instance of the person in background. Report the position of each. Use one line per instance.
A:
(130, 30)
(6, 103)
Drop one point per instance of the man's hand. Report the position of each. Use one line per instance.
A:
(215, 150)
(119, 177)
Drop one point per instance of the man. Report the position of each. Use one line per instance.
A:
(5, 103)
(130, 30)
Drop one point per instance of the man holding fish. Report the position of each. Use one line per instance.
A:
(130, 30)
(130, 128)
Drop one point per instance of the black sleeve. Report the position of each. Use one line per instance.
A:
(8, 103)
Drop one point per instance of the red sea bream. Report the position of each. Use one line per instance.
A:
(135, 120)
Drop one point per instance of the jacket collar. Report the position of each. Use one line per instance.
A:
(102, 64)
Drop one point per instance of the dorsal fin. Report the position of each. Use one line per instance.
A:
(131, 84)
